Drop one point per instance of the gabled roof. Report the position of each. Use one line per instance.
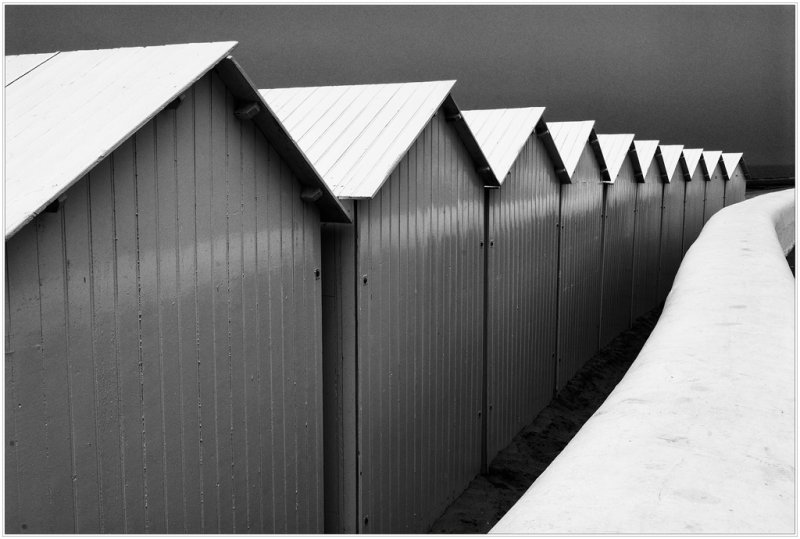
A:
(691, 157)
(614, 149)
(17, 66)
(565, 142)
(669, 155)
(710, 161)
(66, 113)
(729, 162)
(355, 135)
(502, 133)
(645, 150)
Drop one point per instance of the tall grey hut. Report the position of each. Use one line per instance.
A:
(734, 173)
(668, 158)
(715, 186)
(403, 297)
(695, 196)
(619, 204)
(522, 261)
(647, 242)
(163, 325)
(577, 159)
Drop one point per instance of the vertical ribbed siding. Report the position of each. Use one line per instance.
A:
(420, 336)
(164, 331)
(715, 194)
(735, 187)
(671, 232)
(618, 230)
(339, 377)
(693, 208)
(647, 243)
(580, 267)
(523, 258)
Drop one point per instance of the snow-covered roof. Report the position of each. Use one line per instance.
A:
(614, 149)
(355, 135)
(691, 157)
(645, 151)
(669, 155)
(710, 161)
(502, 133)
(729, 162)
(566, 141)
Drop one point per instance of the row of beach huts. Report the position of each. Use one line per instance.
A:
(305, 309)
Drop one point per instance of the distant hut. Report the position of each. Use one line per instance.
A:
(403, 304)
(521, 271)
(619, 202)
(715, 188)
(577, 159)
(734, 172)
(647, 241)
(695, 196)
(162, 312)
(674, 185)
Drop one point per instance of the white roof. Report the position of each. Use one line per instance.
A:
(645, 151)
(502, 133)
(354, 136)
(729, 162)
(17, 66)
(614, 149)
(692, 157)
(710, 160)
(68, 113)
(570, 139)
(670, 155)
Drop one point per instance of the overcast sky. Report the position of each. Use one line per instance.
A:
(716, 77)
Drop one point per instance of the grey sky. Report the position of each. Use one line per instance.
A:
(717, 77)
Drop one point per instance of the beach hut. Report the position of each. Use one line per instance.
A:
(674, 188)
(403, 304)
(715, 186)
(694, 198)
(734, 172)
(619, 202)
(521, 271)
(163, 331)
(647, 241)
(578, 161)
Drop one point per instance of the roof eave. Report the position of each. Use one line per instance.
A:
(453, 115)
(546, 137)
(330, 207)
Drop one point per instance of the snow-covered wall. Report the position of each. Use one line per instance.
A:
(699, 436)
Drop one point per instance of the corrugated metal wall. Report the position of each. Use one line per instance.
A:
(693, 208)
(521, 303)
(163, 340)
(339, 377)
(647, 243)
(735, 187)
(671, 232)
(580, 267)
(618, 236)
(715, 194)
(420, 335)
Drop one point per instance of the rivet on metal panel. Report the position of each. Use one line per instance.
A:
(491, 243)
(364, 278)
(479, 413)
(316, 273)
(481, 243)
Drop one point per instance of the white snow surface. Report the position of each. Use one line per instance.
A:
(699, 436)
